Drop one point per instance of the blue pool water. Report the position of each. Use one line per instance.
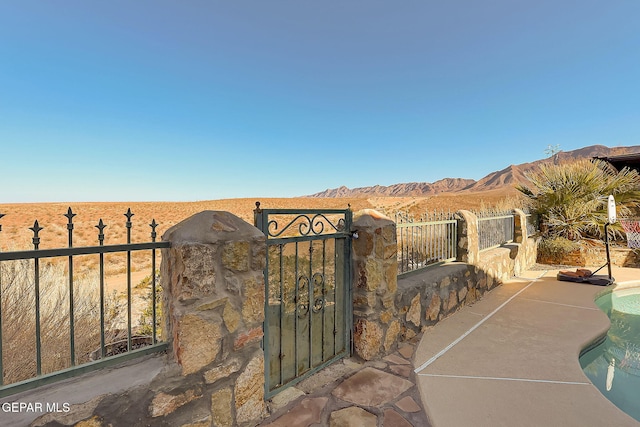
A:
(614, 365)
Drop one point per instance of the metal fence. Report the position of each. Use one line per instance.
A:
(429, 240)
(533, 226)
(495, 229)
(25, 298)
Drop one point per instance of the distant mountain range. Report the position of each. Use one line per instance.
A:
(507, 177)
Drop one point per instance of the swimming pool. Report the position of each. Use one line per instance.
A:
(613, 366)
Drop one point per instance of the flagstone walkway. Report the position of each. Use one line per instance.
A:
(351, 393)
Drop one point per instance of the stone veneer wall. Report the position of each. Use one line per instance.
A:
(428, 296)
(214, 293)
(595, 256)
(388, 308)
(375, 283)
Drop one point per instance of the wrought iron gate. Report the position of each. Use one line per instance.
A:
(308, 292)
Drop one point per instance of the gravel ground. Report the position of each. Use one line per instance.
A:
(541, 267)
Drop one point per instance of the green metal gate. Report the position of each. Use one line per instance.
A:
(308, 292)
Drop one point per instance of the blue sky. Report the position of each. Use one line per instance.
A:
(196, 100)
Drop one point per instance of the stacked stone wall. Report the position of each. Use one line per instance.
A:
(427, 296)
(594, 256)
(424, 297)
(375, 283)
(215, 304)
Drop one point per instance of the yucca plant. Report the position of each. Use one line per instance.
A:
(571, 198)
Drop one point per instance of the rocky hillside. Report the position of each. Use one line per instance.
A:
(515, 174)
(507, 177)
(446, 185)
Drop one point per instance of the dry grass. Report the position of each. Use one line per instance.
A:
(19, 319)
(15, 234)
(475, 201)
(19, 217)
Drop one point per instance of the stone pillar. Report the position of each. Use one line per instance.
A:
(520, 224)
(529, 244)
(468, 238)
(375, 283)
(213, 283)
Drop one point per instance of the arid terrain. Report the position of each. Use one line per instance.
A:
(494, 190)
(15, 234)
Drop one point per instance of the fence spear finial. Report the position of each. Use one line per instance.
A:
(36, 229)
(70, 216)
(129, 215)
(153, 226)
(101, 226)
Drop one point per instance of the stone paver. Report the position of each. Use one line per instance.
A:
(404, 370)
(394, 419)
(329, 375)
(378, 364)
(406, 351)
(407, 404)
(353, 417)
(371, 387)
(282, 399)
(306, 413)
(350, 393)
(395, 359)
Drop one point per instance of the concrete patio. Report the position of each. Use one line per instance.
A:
(511, 359)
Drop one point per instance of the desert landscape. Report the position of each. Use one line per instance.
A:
(15, 234)
(496, 191)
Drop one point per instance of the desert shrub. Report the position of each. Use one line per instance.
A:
(145, 324)
(556, 248)
(507, 204)
(19, 318)
(571, 198)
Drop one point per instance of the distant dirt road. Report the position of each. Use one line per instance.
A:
(119, 282)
